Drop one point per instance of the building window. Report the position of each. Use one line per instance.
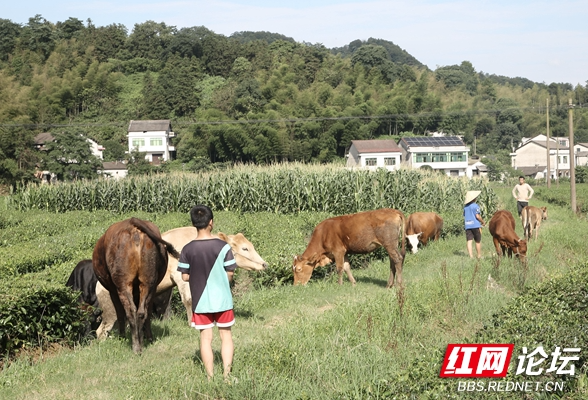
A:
(565, 159)
(371, 162)
(389, 161)
(457, 157)
(156, 142)
(422, 157)
(138, 142)
(454, 172)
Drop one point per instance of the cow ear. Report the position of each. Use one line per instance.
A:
(222, 236)
(295, 258)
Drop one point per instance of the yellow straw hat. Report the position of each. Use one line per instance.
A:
(471, 196)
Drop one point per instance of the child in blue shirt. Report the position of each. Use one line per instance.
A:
(473, 222)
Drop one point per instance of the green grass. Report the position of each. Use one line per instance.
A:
(320, 341)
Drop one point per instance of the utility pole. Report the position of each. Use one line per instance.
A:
(548, 155)
(572, 161)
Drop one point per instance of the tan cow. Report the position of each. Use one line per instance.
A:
(531, 218)
(359, 233)
(502, 229)
(246, 257)
(422, 227)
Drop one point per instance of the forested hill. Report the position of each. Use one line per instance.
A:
(250, 97)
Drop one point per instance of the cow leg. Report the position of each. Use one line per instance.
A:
(347, 269)
(126, 298)
(184, 289)
(396, 261)
(144, 312)
(120, 314)
(498, 247)
(108, 312)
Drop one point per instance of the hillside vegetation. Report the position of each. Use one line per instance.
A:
(251, 97)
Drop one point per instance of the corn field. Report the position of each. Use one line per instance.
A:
(279, 189)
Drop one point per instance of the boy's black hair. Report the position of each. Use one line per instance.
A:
(521, 177)
(201, 216)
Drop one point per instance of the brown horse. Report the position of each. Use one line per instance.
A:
(130, 260)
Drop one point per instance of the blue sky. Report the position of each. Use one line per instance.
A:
(545, 41)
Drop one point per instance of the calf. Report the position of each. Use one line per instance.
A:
(359, 233)
(531, 218)
(422, 227)
(502, 229)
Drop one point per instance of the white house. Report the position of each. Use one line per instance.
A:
(114, 169)
(476, 168)
(531, 156)
(152, 137)
(446, 154)
(374, 154)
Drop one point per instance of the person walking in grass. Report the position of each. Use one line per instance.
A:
(473, 222)
(207, 263)
(523, 193)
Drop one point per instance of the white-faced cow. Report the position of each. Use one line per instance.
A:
(246, 257)
(502, 229)
(422, 227)
(531, 218)
(130, 260)
(359, 233)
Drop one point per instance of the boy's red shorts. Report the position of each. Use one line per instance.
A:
(222, 319)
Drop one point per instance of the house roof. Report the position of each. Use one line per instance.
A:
(43, 138)
(531, 171)
(108, 165)
(149, 125)
(426, 141)
(543, 143)
(376, 146)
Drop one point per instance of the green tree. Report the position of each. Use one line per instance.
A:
(9, 33)
(69, 157)
(137, 164)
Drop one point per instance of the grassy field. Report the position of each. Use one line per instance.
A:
(320, 341)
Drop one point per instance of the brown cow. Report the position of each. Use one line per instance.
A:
(502, 229)
(246, 257)
(130, 260)
(421, 227)
(531, 218)
(359, 233)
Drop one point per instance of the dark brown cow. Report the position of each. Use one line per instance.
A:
(502, 229)
(422, 227)
(359, 233)
(130, 260)
(531, 218)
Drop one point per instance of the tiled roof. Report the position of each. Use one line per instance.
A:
(149, 125)
(376, 146)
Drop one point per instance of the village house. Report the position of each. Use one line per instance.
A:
(372, 154)
(152, 137)
(445, 154)
(114, 169)
(530, 157)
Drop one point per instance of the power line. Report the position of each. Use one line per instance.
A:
(392, 117)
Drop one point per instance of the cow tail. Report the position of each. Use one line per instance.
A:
(137, 223)
(403, 233)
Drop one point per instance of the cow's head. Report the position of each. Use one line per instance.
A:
(246, 257)
(303, 267)
(544, 213)
(413, 241)
(521, 250)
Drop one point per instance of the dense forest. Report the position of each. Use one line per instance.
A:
(250, 97)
